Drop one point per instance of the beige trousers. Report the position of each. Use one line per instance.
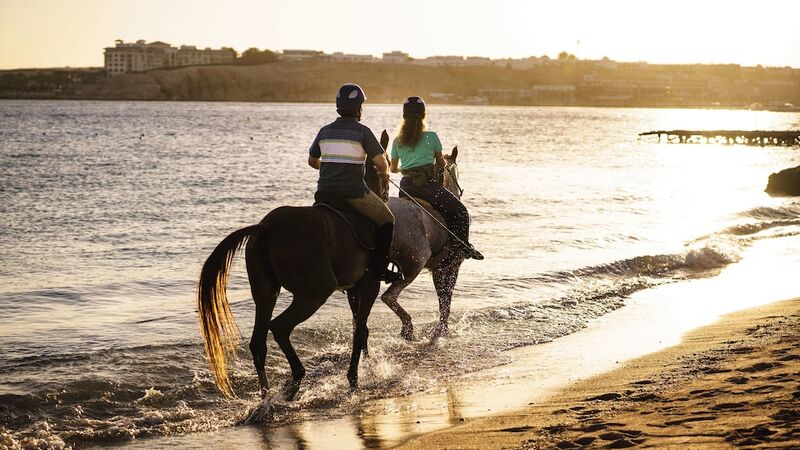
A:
(372, 207)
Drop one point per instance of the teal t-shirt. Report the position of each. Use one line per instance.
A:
(419, 155)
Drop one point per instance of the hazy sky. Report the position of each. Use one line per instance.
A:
(54, 33)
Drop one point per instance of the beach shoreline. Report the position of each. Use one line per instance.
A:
(733, 382)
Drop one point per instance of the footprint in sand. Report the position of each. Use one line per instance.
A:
(593, 428)
(670, 423)
(625, 443)
(786, 415)
(605, 397)
(517, 429)
(729, 406)
(586, 440)
(738, 380)
(760, 367)
(766, 389)
(644, 397)
(705, 393)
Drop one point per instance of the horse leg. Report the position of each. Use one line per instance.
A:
(301, 308)
(352, 299)
(389, 297)
(444, 280)
(264, 288)
(367, 292)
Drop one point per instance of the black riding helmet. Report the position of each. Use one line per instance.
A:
(413, 107)
(350, 97)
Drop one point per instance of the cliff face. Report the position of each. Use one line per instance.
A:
(302, 82)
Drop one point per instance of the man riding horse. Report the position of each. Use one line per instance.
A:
(339, 152)
(312, 252)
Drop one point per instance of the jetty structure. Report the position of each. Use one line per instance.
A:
(761, 138)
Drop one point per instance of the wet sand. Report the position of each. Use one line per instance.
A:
(735, 382)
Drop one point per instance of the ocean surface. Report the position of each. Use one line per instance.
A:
(108, 210)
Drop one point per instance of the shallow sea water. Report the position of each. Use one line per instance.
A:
(108, 209)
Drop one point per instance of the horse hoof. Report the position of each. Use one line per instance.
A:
(262, 413)
(407, 334)
(353, 383)
(290, 390)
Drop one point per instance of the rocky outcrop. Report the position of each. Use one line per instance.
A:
(784, 183)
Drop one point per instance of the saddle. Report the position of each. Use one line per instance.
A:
(362, 228)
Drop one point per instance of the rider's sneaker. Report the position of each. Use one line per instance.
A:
(389, 276)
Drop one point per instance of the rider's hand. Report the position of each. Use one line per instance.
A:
(383, 178)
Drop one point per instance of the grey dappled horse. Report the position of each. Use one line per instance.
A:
(420, 243)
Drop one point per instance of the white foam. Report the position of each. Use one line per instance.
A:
(713, 255)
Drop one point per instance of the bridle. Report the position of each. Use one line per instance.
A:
(449, 169)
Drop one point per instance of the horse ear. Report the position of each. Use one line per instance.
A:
(454, 153)
(384, 139)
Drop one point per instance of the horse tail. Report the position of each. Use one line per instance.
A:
(220, 333)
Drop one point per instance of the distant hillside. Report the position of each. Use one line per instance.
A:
(557, 83)
(301, 82)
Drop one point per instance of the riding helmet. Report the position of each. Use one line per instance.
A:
(413, 107)
(350, 97)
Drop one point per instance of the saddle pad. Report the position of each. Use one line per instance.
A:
(362, 229)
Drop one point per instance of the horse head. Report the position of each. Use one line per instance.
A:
(371, 174)
(450, 179)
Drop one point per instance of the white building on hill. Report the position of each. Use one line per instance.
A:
(299, 55)
(140, 56)
(396, 57)
(349, 57)
(441, 61)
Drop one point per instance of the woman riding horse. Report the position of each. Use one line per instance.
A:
(417, 153)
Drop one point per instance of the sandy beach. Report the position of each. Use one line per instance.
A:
(732, 383)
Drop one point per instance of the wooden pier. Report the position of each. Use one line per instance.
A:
(758, 137)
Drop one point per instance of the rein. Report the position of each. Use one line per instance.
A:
(428, 212)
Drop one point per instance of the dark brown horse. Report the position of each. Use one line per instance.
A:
(305, 250)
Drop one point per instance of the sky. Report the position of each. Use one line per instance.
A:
(58, 33)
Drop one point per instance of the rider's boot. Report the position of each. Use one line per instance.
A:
(379, 265)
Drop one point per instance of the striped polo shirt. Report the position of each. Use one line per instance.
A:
(342, 147)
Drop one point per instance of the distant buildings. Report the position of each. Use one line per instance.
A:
(140, 56)
(565, 80)
(396, 57)
(349, 57)
(457, 61)
(299, 55)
